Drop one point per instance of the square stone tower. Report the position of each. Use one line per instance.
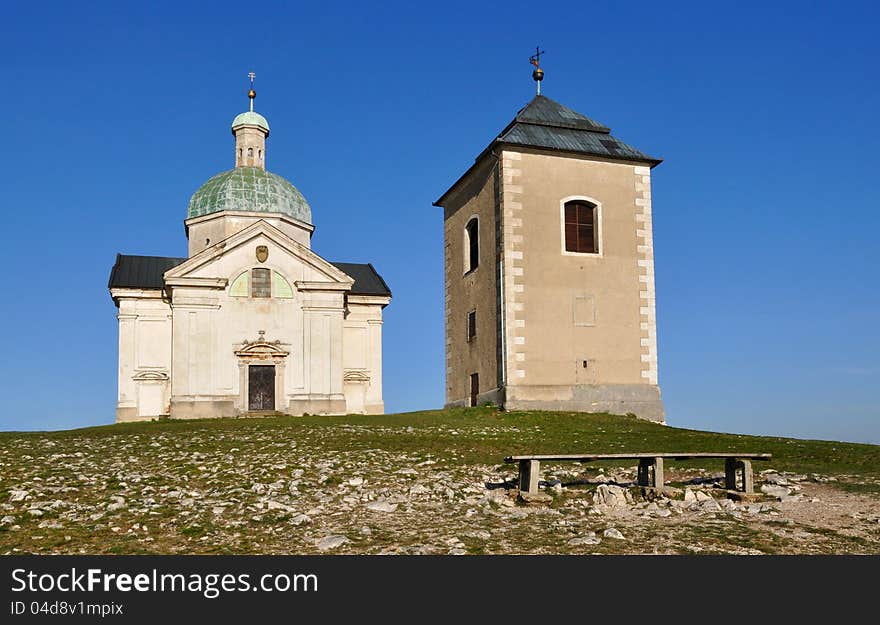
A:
(549, 271)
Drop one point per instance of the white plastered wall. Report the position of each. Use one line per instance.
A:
(144, 354)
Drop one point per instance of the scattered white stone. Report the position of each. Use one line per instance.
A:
(35, 512)
(775, 491)
(331, 542)
(701, 496)
(689, 496)
(381, 506)
(299, 519)
(710, 505)
(613, 532)
(356, 481)
(17, 495)
(7, 520)
(276, 505)
(366, 531)
(610, 495)
(218, 510)
(775, 478)
(587, 539)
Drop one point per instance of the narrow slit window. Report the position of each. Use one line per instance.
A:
(580, 227)
(471, 325)
(471, 245)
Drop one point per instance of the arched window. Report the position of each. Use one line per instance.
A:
(250, 152)
(240, 286)
(261, 282)
(581, 227)
(471, 245)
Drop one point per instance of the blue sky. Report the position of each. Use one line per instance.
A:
(765, 207)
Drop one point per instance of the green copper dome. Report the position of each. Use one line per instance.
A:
(252, 119)
(249, 189)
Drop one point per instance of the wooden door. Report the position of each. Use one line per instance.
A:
(475, 388)
(261, 387)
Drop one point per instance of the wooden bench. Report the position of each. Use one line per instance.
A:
(650, 467)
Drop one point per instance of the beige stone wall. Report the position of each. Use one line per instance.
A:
(474, 291)
(579, 330)
(569, 308)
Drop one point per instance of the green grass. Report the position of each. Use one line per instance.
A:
(486, 435)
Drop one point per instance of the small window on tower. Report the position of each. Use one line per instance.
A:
(250, 152)
(580, 227)
(261, 285)
(471, 245)
(471, 325)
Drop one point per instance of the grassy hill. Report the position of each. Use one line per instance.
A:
(279, 484)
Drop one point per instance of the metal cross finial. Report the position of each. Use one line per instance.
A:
(252, 94)
(538, 74)
(535, 59)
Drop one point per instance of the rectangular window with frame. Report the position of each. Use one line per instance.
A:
(261, 285)
(471, 325)
(580, 228)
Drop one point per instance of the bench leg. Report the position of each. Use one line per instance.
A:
(651, 472)
(659, 474)
(644, 466)
(529, 474)
(731, 467)
(748, 476)
(730, 473)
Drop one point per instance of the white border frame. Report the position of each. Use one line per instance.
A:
(598, 226)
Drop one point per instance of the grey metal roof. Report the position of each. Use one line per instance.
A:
(147, 272)
(141, 272)
(367, 280)
(546, 124)
(570, 140)
(542, 110)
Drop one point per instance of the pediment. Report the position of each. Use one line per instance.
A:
(247, 248)
(150, 376)
(262, 349)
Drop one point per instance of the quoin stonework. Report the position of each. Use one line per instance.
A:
(549, 270)
(252, 320)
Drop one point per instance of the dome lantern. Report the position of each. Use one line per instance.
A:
(250, 130)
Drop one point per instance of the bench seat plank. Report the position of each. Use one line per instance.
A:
(638, 456)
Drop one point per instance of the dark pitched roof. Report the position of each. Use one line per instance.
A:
(147, 272)
(141, 272)
(546, 124)
(546, 112)
(367, 280)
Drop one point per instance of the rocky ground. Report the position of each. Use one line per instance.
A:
(248, 491)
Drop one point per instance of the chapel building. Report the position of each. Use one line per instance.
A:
(252, 320)
(549, 270)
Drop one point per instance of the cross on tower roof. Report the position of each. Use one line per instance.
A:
(538, 74)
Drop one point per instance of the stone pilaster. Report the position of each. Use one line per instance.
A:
(514, 272)
(645, 243)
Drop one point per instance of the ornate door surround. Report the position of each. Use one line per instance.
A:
(260, 352)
